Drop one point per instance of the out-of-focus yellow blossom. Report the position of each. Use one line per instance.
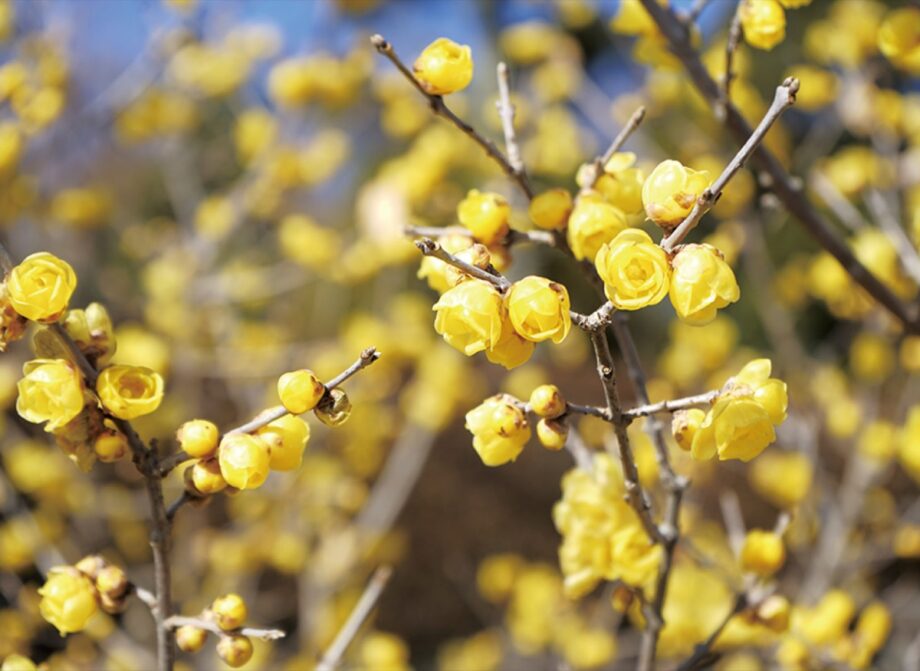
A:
(254, 133)
(763, 23)
(909, 354)
(783, 478)
(602, 536)
(511, 350)
(286, 439)
(556, 145)
(532, 614)
(671, 191)
(17, 662)
(621, 183)
(291, 82)
(906, 541)
(198, 437)
(51, 391)
(763, 552)
(444, 67)
(632, 19)
(38, 107)
(215, 217)
(11, 146)
(305, 242)
(826, 621)
(469, 316)
(899, 38)
(697, 350)
(496, 574)
(381, 650)
(68, 600)
(244, 460)
(485, 215)
(634, 269)
(550, 210)
(741, 423)
(829, 281)
(81, 208)
(500, 430)
(482, 651)
(155, 113)
(872, 357)
(212, 70)
(300, 391)
(591, 224)
(875, 251)
(696, 603)
(40, 287)
(585, 647)
(539, 309)
(818, 86)
(855, 168)
(129, 391)
(701, 284)
(323, 155)
(137, 345)
(530, 42)
(909, 444)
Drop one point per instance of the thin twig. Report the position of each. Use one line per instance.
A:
(783, 100)
(439, 107)
(593, 410)
(358, 615)
(506, 112)
(786, 189)
(429, 247)
(842, 208)
(673, 405)
(597, 167)
(734, 520)
(888, 222)
(695, 11)
(702, 651)
(177, 621)
(731, 46)
(597, 320)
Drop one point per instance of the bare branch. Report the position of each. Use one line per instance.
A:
(597, 320)
(783, 100)
(177, 621)
(429, 247)
(597, 166)
(506, 112)
(673, 406)
(439, 107)
(731, 46)
(359, 614)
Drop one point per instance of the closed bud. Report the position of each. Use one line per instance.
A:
(101, 332)
(110, 446)
(485, 215)
(671, 191)
(229, 611)
(469, 316)
(286, 439)
(90, 566)
(244, 460)
(336, 410)
(204, 477)
(234, 649)
(112, 581)
(539, 309)
(300, 391)
(190, 639)
(546, 400)
(198, 437)
(592, 223)
(763, 553)
(113, 605)
(68, 600)
(552, 434)
(550, 210)
(499, 429)
(444, 67)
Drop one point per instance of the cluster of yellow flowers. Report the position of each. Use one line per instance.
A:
(228, 613)
(72, 594)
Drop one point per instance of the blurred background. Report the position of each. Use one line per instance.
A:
(233, 178)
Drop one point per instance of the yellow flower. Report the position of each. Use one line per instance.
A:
(198, 437)
(763, 23)
(469, 316)
(621, 183)
(50, 391)
(40, 287)
(234, 650)
(539, 309)
(671, 191)
(701, 284)
(550, 210)
(552, 434)
(763, 553)
(592, 223)
(685, 424)
(300, 391)
(511, 350)
(634, 269)
(229, 611)
(444, 67)
(546, 401)
(782, 478)
(485, 215)
(741, 423)
(286, 439)
(129, 391)
(899, 38)
(68, 600)
(244, 460)
(499, 429)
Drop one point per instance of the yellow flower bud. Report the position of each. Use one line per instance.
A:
(469, 316)
(380, 650)
(110, 446)
(40, 287)
(51, 391)
(244, 460)
(879, 441)
(874, 625)
(286, 439)
(701, 284)
(499, 429)
(336, 410)
(129, 391)
(634, 269)
(444, 67)
(112, 581)
(671, 191)
(300, 391)
(511, 350)
(496, 575)
(229, 611)
(763, 23)
(198, 438)
(546, 401)
(550, 210)
(190, 639)
(783, 478)
(591, 224)
(17, 663)
(235, 650)
(763, 553)
(685, 424)
(205, 477)
(539, 309)
(485, 215)
(773, 612)
(899, 38)
(68, 600)
(552, 434)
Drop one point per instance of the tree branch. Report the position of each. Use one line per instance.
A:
(506, 112)
(672, 406)
(597, 167)
(177, 621)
